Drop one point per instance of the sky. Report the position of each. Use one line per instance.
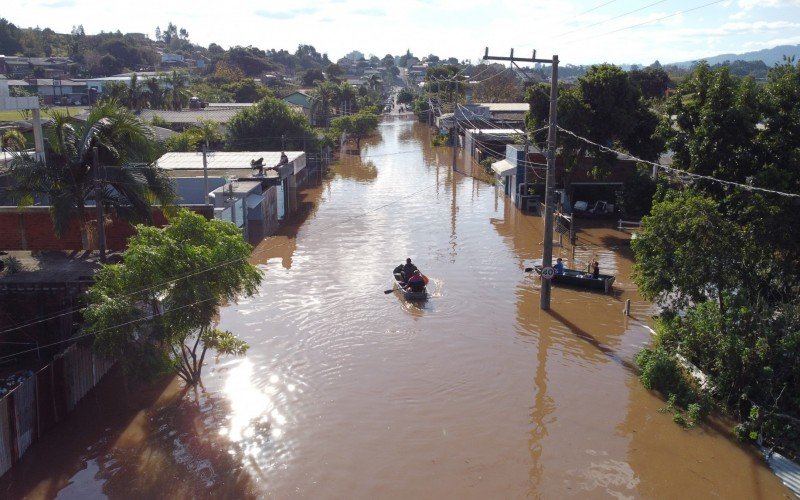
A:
(578, 31)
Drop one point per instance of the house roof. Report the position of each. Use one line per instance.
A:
(222, 115)
(509, 107)
(50, 82)
(504, 168)
(239, 160)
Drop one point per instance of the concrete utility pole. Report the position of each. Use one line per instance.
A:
(547, 252)
(205, 174)
(98, 203)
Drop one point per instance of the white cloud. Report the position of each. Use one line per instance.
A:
(751, 4)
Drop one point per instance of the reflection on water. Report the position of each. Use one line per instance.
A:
(348, 392)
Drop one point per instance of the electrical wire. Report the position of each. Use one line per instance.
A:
(611, 18)
(647, 22)
(682, 173)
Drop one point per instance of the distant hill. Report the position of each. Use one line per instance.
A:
(769, 56)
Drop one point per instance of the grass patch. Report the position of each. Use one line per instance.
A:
(12, 116)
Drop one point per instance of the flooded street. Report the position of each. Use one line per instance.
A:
(348, 392)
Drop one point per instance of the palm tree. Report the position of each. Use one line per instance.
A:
(125, 145)
(374, 82)
(137, 94)
(347, 98)
(12, 140)
(325, 94)
(116, 91)
(155, 94)
(208, 132)
(178, 93)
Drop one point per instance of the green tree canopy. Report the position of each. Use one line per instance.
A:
(357, 126)
(157, 307)
(684, 253)
(606, 108)
(269, 125)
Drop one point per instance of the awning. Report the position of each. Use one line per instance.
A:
(504, 168)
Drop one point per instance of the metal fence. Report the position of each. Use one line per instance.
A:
(35, 406)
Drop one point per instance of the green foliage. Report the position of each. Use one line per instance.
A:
(312, 77)
(728, 258)
(440, 140)
(160, 302)
(12, 140)
(605, 107)
(193, 138)
(270, 125)
(126, 148)
(684, 252)
(652, 81)
(405, 96)
(13, 265)
(357, 126)
(158, 121)
(635, 200)
(184, 142)
(246, 90)
(661, 371)
(9, 38)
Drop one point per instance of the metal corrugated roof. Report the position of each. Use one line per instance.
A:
(507, 106)
(239, 160)
(786, 470)
(190, 116)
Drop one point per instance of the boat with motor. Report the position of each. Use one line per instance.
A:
(581, 279)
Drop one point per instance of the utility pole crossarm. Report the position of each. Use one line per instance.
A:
(547, 251)
(487, 57)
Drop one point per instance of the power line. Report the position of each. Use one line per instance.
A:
(648, 22)
(595, 8)
(611, 19)
(678, 171)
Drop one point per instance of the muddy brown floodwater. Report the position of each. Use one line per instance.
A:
(348, 392)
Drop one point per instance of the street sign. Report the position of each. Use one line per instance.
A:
(548, 273)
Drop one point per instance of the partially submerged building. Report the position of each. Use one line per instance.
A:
(255, 189)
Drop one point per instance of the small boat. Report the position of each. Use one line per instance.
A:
(409, 294)
(581, 279)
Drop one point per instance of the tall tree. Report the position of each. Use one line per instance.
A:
(606, 108)
(178, 91)
(126, 149)
(157, 307)
(712, 126)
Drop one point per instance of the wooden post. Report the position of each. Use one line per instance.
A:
(627, 310)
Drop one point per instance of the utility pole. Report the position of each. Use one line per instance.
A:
(547, 252)
(455, 137)
(98, 203)
(205, 174)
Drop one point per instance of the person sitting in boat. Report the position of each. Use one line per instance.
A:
(596, 272)
(399, 270)
(416, 283)
(408, 269)
(559, 267)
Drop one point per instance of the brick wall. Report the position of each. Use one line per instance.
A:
(31, 228)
